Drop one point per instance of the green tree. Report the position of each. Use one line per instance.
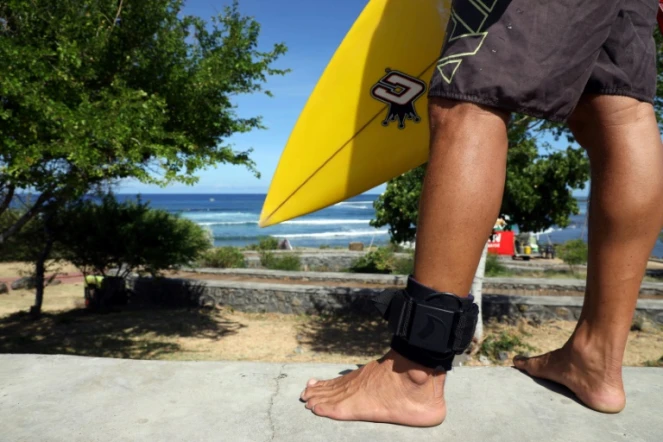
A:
(573, 252)
(97, 91)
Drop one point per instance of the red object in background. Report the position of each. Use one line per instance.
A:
(659, 16)
(502, 243)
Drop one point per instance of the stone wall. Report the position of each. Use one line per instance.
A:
(332, 261)
(497, 286)
(308, 299)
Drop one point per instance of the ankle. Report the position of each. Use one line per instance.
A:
(416, 373)
(599, 356)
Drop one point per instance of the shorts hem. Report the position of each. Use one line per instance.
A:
(622, 92)
(532, 112)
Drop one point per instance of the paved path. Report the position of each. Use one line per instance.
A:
(58, 398)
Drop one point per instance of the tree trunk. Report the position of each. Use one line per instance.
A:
(477, 287)
(40, 279)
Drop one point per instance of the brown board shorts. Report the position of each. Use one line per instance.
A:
(538, 57)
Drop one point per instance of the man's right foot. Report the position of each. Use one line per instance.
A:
(595, 380)
(390, 390)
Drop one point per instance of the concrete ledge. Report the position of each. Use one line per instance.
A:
(258, 297)
(70, 399)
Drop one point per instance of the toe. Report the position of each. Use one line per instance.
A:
(311, 382)
(520, 362)
(322, 409)
(308, 393)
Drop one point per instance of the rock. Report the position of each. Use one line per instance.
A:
(299, 350)
(25, 283)
(3, 288)
(642, 324)
(503, 356)
(356, 246)
(484, 360)
(460, 360)
(563, 313)
(659, 318)
(55, 282)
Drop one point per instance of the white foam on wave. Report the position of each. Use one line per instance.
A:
(361, 205)
(228, 223)
(327, 222)
(312, 222)
(219, 217)
(349, 234)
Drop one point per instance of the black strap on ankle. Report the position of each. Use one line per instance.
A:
(430, 327)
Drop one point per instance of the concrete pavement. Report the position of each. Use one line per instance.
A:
(69, 398)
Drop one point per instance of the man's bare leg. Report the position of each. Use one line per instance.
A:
(460, 203)
(625, 217)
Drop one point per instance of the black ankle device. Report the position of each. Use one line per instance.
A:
(428, 327)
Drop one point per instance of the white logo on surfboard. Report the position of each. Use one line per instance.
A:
(399, 91)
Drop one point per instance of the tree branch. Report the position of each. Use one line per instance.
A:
(117, 16)
(25, 218)
(8, 198)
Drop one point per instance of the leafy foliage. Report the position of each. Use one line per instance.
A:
(98, 236)
(380, 260)
(224, 258)
(265, 243)
(270, 260)
(573, 252)
(398, 206)
(98, 91)
(504, 342)
(494, 267)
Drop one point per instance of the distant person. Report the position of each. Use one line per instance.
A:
(285, 245)
(589, 64)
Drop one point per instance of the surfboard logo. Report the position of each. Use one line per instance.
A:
(400, 92)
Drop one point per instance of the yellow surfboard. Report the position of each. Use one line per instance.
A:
(366, 120)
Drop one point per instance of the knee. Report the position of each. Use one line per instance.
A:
(445, 112)
(597, 114)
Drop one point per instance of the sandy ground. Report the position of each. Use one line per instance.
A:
(222, 334)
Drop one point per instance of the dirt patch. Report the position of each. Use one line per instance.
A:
(223, 334)
(18, 269)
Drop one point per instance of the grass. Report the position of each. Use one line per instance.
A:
(652, 363)
(508, 342)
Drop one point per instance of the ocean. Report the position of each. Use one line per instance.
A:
(233, 220)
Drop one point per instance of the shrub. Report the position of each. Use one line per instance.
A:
(494, 267)
(380, 261)
(404, 266)
(265, 243)
(288, 261)
(223, 258)
(573, 252)
(129, 235)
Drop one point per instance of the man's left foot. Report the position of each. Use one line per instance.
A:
(389, 390)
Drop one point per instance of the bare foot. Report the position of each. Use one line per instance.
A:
(390, 390)
(597, 383)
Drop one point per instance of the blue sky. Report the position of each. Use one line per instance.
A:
(312, 30)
